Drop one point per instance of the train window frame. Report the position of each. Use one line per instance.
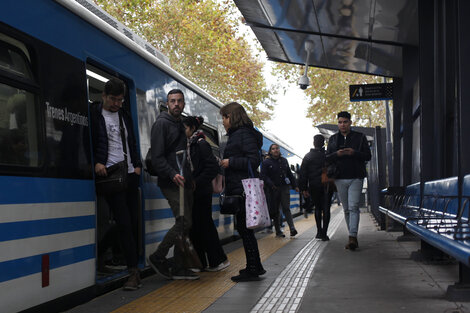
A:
(20, 136)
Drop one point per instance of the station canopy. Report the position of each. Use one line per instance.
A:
(365, 36)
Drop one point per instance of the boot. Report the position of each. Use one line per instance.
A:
(133, 283)
(352, 244)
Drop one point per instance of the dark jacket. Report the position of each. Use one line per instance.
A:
(349, 166)
(311, 169)
(275, 171)
(167, 137)
(99, 136)
(243, 144)
(205, 165)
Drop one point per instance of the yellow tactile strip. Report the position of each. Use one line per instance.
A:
(195, 296)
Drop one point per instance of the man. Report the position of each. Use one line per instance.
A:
(347, 152)
(312, 187)
(167, 137)
(106, 120)
(278, 178)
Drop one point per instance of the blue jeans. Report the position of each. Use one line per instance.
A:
(349, 193)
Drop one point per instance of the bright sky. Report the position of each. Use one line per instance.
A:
(290, 123)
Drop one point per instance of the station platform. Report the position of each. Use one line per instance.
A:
(305, 275)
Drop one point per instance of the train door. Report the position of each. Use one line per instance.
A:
(111, 260)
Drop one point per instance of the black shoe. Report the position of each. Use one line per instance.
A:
(293, 232)
(319, 235)
(259, 272)
(160, 266)
(325, 238)
(245, 276)
(280, 234)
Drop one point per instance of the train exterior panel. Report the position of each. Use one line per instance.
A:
(54, 58)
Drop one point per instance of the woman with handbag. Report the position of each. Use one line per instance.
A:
(204, 168)
(242, 150)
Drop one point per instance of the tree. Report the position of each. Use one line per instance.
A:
(329, 94)
(202, 41)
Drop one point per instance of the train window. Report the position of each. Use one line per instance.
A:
(14, 60)
(18, 128)
(19, 141)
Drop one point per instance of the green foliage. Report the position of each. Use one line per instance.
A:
(202, 41)
(329, 94)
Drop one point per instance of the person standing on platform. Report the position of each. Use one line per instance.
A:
(204, 168)
(277, 176)
(167, 137)
(347, 153)
(312, 187)
(242, 150)
(111, 126)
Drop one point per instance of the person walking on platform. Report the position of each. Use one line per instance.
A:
(167, 137)
(347, 153)
(277, 176)
(204, 167)
(112, 127)
(310, 183)
(242, 150)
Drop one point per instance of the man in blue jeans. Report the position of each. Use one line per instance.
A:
(347, 153)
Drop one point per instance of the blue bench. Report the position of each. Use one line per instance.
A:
(402, 204)
(440, 221)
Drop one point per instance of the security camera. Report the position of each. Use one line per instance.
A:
(304, 82)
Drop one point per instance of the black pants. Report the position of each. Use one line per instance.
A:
(203, 232)
(253, 261)
(321, 198)
(125, 211)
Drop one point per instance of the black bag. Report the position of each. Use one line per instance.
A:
(230, 204)
(332, 171)
(115, 182)
(148, 163)
(116, 179)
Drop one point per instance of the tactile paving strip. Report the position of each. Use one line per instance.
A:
(285, 294)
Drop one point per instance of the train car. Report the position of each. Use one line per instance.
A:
(55, 57)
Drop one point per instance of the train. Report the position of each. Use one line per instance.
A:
(55, 57)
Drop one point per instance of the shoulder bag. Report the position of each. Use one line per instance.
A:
(116, 179)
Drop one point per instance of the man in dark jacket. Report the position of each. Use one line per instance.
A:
(277, 176)
(312, 187)
(348, 151)
(108, 122)
(168, 137)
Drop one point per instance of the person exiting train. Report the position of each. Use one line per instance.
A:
(204, 168)
(347, 153)
(167, 137)
(278, 178)
(242, 150)
(312, 187)
(109, 122)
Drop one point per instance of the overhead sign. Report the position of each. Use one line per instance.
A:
(371, 92)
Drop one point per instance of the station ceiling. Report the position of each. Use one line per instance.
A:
(365, 36)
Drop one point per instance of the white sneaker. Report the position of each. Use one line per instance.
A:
(195, 270)
(219, 267)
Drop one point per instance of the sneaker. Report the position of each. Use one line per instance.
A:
(293, 232)
(160, 266)
(245, 276)
(184, 274)
(280, 235)
(195, 269)
(219, 267)
(134, 282)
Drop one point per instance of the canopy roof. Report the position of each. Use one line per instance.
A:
(365, 36)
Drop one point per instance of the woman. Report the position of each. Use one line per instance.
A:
(204, 168)
(278, 178)
(242, 150)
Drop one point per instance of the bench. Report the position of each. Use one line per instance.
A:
(400, 203)
(440, 221)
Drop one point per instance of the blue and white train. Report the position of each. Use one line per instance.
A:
(55, 57)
